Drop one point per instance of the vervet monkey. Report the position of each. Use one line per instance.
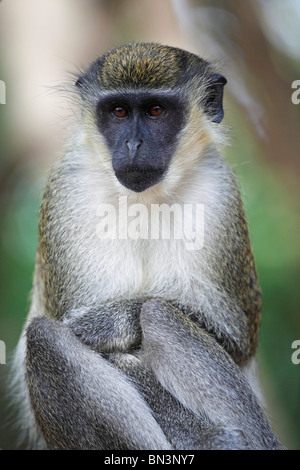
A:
(134, 342)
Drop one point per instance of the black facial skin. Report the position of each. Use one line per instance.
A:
(141, 143)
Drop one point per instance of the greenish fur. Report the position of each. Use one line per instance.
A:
(146, 65)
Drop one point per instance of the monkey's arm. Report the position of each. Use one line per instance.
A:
(195, 369)
(80, 400)
(109, 327)
(222, 316)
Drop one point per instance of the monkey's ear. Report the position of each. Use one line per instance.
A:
(79, 82)
(214, 100)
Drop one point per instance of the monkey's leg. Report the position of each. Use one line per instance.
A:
(194, 368)
(80, 400)
(115, 326)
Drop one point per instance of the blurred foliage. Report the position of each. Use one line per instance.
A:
(274, 225)
(18, 239)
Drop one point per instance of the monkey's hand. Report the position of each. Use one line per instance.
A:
(109, 327)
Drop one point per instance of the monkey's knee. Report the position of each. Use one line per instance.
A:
(48, 352)
(156, 316)
(164, 325)
(42, 335)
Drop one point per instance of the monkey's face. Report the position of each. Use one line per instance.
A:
(140, 129)
(152, 104)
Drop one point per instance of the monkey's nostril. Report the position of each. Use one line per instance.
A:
(133, 145)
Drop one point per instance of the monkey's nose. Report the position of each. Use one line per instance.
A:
(133, 146)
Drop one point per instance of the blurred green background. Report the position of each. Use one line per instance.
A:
(258, 49)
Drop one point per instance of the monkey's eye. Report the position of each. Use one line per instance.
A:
(155, 110)
(120, 111)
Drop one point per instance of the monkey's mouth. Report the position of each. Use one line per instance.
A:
(139, 179)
